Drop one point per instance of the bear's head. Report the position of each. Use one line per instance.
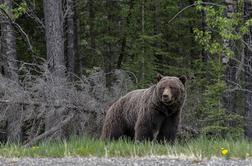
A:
(170, 90)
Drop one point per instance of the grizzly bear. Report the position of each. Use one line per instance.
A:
(147, 114)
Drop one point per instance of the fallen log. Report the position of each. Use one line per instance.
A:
(36, 140)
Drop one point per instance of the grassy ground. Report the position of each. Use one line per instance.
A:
(199, 148)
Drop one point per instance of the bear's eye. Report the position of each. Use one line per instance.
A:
(172, 87)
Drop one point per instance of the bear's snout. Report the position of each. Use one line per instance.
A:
(167, 96)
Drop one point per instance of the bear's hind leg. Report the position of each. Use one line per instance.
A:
(112, 131)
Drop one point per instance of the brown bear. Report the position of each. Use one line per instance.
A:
(147, 114)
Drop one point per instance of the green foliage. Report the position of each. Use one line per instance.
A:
(142, 62)
(20, 10)
(3, 6)
(151, 43)
(16, 12)
(216, 120)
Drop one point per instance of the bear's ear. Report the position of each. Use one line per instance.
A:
(159, 77)
(183, 79)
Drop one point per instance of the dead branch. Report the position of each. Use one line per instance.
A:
(56, 106)
(42, 98)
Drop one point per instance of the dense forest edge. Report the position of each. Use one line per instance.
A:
(63, 63)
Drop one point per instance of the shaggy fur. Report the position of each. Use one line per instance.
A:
(147, 114)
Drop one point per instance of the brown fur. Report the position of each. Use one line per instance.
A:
(147, 114)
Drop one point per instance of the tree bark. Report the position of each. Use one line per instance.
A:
(193, 52)
(91, 21)
(248, 72)
(205, 54)
(53, 14)
(79, 62)
(142, 74)
(229, 98)
(109, 54)
(124, 35)
(9, 64)
(71, 38)
(157, 31)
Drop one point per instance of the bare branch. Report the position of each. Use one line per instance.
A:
(193, 5)
(19, 28)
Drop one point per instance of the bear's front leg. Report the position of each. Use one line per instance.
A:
(169, 129)
(143, 131)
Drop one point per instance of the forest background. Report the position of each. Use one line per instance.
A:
(63, 62)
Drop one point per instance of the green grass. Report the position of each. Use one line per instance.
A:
(198, 148)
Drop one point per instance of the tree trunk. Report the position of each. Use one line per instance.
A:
(232, 66)
(193, 52)
(9, 69)
(109, 55)
(157, 31)
(91, 21)
(8, 45)
(53, 13)
(205, 54)
(142, 74)
(92, 30)
(248, 72)
(71, 38)
(79, 61)
(54, 35)
(124, 35)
